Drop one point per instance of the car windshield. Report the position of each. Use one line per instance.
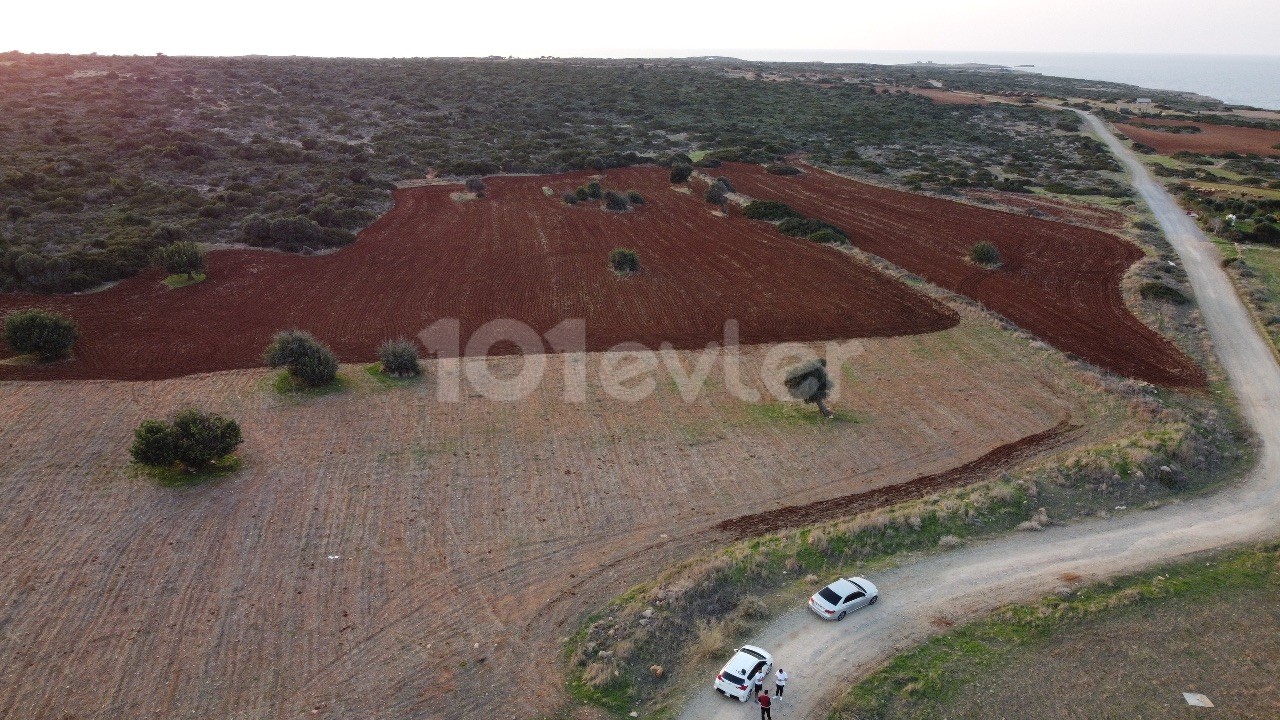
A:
(732, 679)
(829, 595)
(753, 653)
(864, 590)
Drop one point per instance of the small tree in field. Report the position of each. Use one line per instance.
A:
(624, 261)
(680, 173)
(399, 358)
(985, 253)
(46, 334)
(809, 382)
(307, 359)
(476, 185)
(181, 257)
(195, 438)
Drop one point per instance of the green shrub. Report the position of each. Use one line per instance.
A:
(804, 227)
(399, 358)
(181, 257)
(680, 173)
(195, 438)
(827, 236)
(582, 194)
(306, 358)
(40, 332)
(635, 197)
(985, 253)
(716, 194)
(624, 261)
(570, 199)
(781, 169)
(616, 201)
(594, 190)
(768, 210)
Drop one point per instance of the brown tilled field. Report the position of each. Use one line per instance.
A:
(519, 254)
(382, 554)
(1060, 282)
(1211, 140)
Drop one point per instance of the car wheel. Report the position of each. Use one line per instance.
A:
(874, 599)
(841, 615)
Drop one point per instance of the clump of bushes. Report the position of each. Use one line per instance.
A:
(781, 169)
(768, 210)
(46, 334)
(306, 358)
(399, 358)
(635, 197)
(624, 261)
(808, 227)
(476, 186)
(680, 173)
(616, 201)
(293, 233)
(194, 438)
(184, 257)
(985, 253)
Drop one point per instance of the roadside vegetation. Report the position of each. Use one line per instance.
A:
(1125, 648)
(643, 647)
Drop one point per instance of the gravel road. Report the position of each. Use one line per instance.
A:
(824, 658)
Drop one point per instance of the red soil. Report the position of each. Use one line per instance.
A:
(1059, 282)
(517, 254)
(1211, 140)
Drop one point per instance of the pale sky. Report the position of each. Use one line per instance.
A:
(629, 28)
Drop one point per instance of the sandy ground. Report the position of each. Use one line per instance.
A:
(385, 555)
(824, 658)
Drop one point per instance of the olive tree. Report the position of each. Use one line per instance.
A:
(306, 358)
(181, 257)
(46, 334)
(809, 382)
(194, 438)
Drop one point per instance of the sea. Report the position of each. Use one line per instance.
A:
(1252, 80)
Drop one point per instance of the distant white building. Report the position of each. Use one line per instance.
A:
(1143, 101)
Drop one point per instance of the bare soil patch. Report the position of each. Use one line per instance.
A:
(1055, 209)
(1060, 282)
(514, 254)
(1211, 140)
(383, 554)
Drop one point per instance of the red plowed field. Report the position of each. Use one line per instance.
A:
(1060, 282)
(1211, 139)
(517, 254)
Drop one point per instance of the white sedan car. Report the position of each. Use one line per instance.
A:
(842, 597)
(739, 674)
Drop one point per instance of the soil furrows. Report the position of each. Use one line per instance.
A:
(1060, 282)
(1211, 140)
(479, 260)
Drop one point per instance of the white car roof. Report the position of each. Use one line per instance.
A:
(742, 661)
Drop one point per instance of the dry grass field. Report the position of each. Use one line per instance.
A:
(381, 554)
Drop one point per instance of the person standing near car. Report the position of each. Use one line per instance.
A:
(765, 701)
(779, 682)
(758, 683)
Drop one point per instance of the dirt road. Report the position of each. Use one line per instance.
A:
(824, 658)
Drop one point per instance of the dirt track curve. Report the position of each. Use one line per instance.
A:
(824, 658)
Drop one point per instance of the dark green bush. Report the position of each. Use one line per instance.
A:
(306, 358)
(399, 358)
(594, 190)
(181, 257)
(195, 438)
(570, 199)
(781, 169)
(680, 173)
(985, 253)
(46, 334)
(804, 227)
(716, 194)
(624, 261)
(768, 210)
(827, 236)
(616, 201)
(635, 197)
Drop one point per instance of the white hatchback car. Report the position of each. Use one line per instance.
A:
(739, 674)
(842, 597)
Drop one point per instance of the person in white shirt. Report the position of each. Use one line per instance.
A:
(779, 681)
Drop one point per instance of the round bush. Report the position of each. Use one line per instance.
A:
(40, 332)
(985, 253)
(182, 257)
(307, 359)
(616, 201)
(153, 444)
(680, 173)
(624, 261)
(195, 438)
(399, 358)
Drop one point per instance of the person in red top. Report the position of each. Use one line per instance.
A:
(765, 701)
